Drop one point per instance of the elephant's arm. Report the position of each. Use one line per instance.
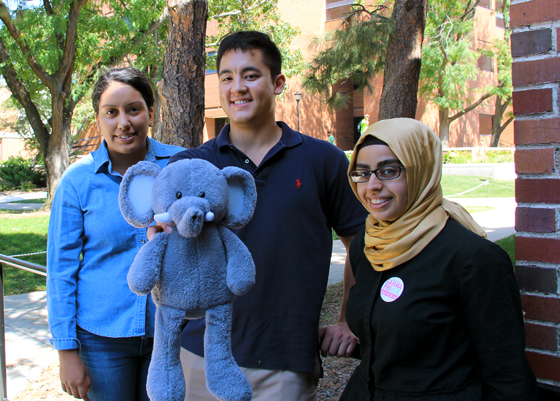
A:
(240, 265)
(144, 271)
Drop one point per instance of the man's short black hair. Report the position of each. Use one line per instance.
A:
(249, 40)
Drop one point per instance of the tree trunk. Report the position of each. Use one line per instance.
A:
(57, 151)
(182, 86)
(157, 127)
(444, 124)
(497, 127)
(496, 122)
(404, 59)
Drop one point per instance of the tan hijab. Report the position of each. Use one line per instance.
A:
(389, 244)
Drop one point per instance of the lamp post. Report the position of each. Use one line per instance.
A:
(297, 95)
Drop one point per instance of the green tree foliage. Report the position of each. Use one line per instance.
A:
(50, 55)
(52, 52)
(501, 51)
(449, 60)
(355, 51)
(260, 15)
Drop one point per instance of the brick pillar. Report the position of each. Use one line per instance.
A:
(536, 79)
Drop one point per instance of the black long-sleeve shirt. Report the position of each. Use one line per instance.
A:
(454, 331)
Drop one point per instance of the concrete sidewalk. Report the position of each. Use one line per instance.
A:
(28, 352)
(7, 201)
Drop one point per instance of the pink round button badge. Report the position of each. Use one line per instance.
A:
(392, 289)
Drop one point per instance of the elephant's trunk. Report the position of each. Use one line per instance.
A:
(191, 223)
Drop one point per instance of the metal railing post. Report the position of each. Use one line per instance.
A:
(23, 265)
(3, 380)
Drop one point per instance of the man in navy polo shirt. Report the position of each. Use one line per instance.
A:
(303, 191)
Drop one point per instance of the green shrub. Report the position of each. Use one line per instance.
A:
(20, 173)
(499, 156)
(489, 155)
(457, 157)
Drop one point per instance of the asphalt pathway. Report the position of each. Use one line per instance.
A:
(28, 352)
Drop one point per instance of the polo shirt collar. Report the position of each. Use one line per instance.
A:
(289, 139)
(155, 151)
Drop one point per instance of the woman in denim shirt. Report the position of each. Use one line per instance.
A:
(103, 331)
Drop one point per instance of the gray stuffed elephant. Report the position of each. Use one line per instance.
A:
(197, 270)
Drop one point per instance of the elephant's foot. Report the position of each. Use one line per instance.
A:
(224, 379)
(227, 382)
(165, 382)
(165, 374)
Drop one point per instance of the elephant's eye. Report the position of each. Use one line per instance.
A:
(201, 195)
(179, 195)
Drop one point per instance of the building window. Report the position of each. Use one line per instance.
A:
(337, 9)
(500, 21)
(486, 63)
(485, 124)
(485, 129)
(484, 3)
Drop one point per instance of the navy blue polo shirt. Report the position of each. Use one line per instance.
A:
(302, 191)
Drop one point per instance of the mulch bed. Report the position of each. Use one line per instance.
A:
(336, 370)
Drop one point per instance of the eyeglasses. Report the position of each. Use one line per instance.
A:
(382, 173)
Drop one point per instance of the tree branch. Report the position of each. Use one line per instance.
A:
(507, 102)
(68, 56)
(237, 12)
(50, 11)
(470, 10)
(14, 32)
(503, 127)
(20, 92)
(471, 107)
(48, 7)
(116, 59)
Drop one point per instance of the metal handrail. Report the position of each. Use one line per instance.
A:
(20, 264)
(23, 265)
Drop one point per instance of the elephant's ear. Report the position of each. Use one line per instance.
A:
(135, 194)
(242, 197)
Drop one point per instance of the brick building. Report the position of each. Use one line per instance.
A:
(313, 17)
(11, 144)
(536, 78)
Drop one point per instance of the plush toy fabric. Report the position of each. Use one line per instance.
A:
(197, 270)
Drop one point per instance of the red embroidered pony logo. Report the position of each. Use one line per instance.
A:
(298, 183)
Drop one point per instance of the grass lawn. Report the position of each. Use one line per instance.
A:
(23, 233)
(476, 209)
(508, 244)
(455, 184)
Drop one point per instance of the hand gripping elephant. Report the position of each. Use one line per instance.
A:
(197, 270)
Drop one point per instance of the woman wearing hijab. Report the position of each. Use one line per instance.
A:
(435, 306)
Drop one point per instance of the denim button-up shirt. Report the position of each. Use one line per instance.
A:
(90, 249)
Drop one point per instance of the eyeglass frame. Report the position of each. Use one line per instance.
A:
(374, 172)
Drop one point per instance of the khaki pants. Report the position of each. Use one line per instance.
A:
(268, 385)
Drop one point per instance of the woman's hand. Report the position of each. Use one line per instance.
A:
(74, 376)
(158, 228)
(337, 340)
